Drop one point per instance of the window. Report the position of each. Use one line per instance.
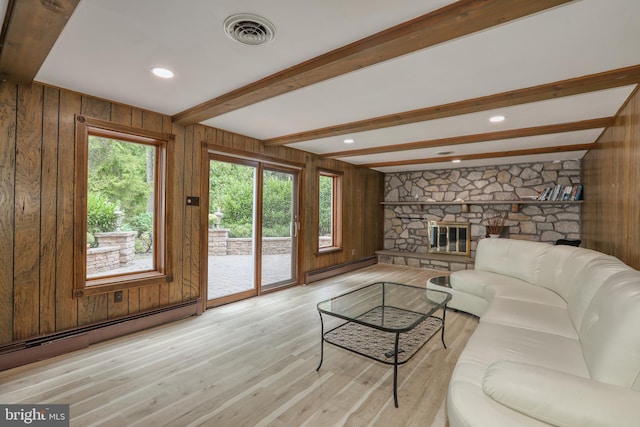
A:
(121, 192)
(330, 211)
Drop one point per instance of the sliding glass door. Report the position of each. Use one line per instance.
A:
(253, 228)
(279, 227)
(231, 257)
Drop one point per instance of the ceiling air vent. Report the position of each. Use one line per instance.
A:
(249, 29)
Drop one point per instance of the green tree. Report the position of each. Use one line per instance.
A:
(276, 205)
(325, 202)
(118, 171)
(231, 189)
(120, 174)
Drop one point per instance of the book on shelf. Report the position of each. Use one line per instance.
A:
(561, 193)
(574, 191)
(543, 194)
(579, 193)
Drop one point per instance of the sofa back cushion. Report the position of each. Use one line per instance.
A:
(609, 332)
(588, 281)
(514, 258)
(561, 267)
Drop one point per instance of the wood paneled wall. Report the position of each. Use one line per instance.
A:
(36, 210)
(611, 173)
(36, 213)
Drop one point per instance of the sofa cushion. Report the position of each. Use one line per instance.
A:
(589, 279)
(490, 285)
(491, 342)
(610, 331)
(561, 266)
(530, 315)
(559, 398)
(468, 405)
(514, 258)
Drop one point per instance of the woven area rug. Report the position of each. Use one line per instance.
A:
(378, 344)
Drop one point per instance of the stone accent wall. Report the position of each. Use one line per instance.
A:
(406, 225)
(450, 263)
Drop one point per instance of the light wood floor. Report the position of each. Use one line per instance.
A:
(250, 363)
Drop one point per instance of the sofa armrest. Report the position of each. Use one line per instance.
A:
(559, 398)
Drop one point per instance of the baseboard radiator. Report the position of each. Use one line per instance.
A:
(323, 273)
(31, 350)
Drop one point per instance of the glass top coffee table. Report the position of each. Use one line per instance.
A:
(385, 321)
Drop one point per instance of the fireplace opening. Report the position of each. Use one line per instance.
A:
(448, 237)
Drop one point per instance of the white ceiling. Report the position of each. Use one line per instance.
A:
(108, 47)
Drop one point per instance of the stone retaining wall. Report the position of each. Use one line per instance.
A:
(102, 259)
(406, 225)
(124, 240)
(115, 249)
(221, 244)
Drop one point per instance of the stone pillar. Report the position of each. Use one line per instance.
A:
(124, 240)
(218, 241)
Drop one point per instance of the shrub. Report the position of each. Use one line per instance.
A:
(142, 224)
(240, 230)
(277, 231)
(100, 213)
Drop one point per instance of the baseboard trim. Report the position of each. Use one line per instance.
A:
(324, 273)
(43, 347)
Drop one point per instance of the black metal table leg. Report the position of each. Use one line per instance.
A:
(321, 341)
(395, 371)
(444, 313)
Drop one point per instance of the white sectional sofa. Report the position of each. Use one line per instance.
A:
(558, 342)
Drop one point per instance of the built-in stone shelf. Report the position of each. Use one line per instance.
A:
(515, 204)
(425, 260)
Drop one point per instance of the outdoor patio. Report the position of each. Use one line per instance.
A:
(230, 274)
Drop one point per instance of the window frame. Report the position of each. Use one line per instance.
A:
(162, 241)
(336, 211)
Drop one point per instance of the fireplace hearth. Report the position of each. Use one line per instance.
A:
(449, 237)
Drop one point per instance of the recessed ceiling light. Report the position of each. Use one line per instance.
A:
(349, 141)
(497, 119)
(456, 161)
(162, 72)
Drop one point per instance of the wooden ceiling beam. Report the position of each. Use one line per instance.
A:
(450, 22)
(30, 29)
(589, 83)
(479, 156)
(480, 137)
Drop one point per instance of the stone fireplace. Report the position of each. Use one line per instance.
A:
(449, 237)
(414, 198)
